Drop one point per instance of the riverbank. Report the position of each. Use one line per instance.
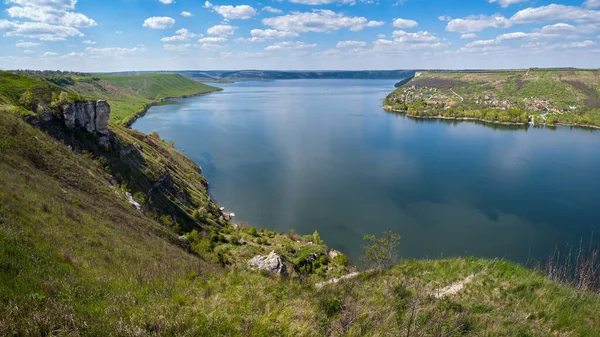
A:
(485, 121)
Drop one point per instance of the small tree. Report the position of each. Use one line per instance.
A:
(317, 238)
(380, 252)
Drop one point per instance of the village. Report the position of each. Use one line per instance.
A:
(435, 96)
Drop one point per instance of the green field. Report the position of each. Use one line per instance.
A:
(76, 258)
(128, 95)
(550, 96)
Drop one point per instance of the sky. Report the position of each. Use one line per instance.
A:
(127, 35)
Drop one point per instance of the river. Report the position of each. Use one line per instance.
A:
(323, 155)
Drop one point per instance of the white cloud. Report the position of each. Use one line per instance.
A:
(186, 14)
(272, 10)
(212, 40)
(469, 36)
(422, 36)
(260, 35)
(506, 3)
(177, 47)
(114, 51)
(591, 3)
(159, 22)
(50, 54)
(232, 12)
(320, 21)
(584, 44)
(38, 30)
(403, 23)
(221, 30)
(555, 13)
(444, 18)
(24, 44)
(55, 12)
(88, 42)
(167, 2)
(473, 24)
(180, 35)
(351, 44)
(323, 2)
(287, 45)
(28, 51)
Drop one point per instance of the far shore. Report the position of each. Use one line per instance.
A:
(389, 108)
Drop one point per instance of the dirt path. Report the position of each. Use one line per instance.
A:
(454, 288)
(459, 96)
(336, 280)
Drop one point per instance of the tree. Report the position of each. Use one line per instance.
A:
(317, 238)
(27, 100)
(380, 252)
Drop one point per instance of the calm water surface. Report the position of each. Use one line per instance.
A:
(322, 155)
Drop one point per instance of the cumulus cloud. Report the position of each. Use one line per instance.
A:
(24, 44)
(114, 51)
(38, 30)
(592, 3)
(473, 24)
(88, 42)
(159, 22)
(177, 47)
(56, 12)
(469, 36)
(351, 44)
(221, 30)
(212, 40)
(261, 35)
(272, 10)
(323, 2)
(549, 13)
(232, 12)
(584, 44)
(287, 45)
(403, 23)
(320, 21)
(506, 3)
(167, 2)
(422, 36)
(186, 14)
(180, 35)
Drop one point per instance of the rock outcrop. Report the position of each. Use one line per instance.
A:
(271, 263)
(92, 116)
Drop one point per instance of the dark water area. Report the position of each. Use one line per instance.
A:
(323, 155)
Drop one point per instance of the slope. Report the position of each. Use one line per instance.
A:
(76, 258)
(541, 96)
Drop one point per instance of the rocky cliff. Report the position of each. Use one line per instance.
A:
(92, 116)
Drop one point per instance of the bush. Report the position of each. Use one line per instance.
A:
(317, 238)
(381, 252)
(252, 231)
(342, 260)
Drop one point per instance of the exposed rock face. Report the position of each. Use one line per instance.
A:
(271, 263)
(92, 116)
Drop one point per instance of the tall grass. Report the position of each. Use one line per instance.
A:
(579, 268)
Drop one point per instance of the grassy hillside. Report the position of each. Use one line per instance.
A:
(128, 95)
(544, 96)
(77, 258)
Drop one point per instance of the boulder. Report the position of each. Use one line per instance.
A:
(271, 263)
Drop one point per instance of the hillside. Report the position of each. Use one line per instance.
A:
(540, 96)
(77, 257)
(128, 95)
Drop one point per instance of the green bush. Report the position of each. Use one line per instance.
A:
(381, 252)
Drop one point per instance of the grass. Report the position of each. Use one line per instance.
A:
(77, 259)
(131, 95)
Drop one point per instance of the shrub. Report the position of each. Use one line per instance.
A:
(341, 260)
(317, 238)
(252, 231)
(380, 252)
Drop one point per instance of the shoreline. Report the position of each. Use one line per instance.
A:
(147, 107)
(486, 121)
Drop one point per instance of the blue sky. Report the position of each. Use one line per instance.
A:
(118, 35)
